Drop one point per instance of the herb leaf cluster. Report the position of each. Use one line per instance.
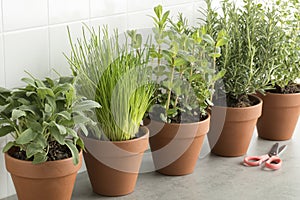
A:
(43, 112)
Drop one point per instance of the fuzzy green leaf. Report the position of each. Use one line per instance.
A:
(74, 151)
(16, 114)
(8, 146)
(33, 149)
(85, 106)
(56, 134)
(4, 130)
(44, 91)
(26, 136)
(40, 158)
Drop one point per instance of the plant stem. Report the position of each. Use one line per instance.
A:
(170, 88)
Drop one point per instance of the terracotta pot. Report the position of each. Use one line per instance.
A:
(113, 167)
(279, 116)
(175, 147)
(231, 129)
(47, 181)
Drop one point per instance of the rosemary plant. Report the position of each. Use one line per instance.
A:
(117, 77)
(248, 57)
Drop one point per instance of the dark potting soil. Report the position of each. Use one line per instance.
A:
(241, 102)
(193, 116)
(56, 152)
(289, 89)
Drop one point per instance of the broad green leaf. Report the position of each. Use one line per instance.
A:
(44, 91)
(40, 158)
(41, 140)
(71, 132)
(85, 106)
(48, 108)
(74, 151)
(8, 146)
(35, 126)
(221, 42)
(207, 38)
(16, 114)
(83, 128)
(65, 114)
(33, 149)
(29, 81)
(66, 79)
(80, 143)
(27, 136)
(24, 101)
(179, 62)
(56, 134)
(4, 130)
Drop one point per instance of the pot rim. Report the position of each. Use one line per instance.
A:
(30, 162)
(280, 94)
(144, 136)
(245, 108)
(185, 124)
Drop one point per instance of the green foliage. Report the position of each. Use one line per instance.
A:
(263, 45)
(248, 57)
(43, 112)
(288, 53)
(115, 75)
(185, 67)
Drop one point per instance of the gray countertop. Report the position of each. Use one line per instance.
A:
(216, 178)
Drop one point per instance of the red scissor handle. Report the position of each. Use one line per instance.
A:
(255, 160)
(274, 163)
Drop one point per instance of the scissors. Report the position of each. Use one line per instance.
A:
(272, 161)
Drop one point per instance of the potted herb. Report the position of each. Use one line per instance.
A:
(115, 75)
(40, 117)
(236, 110)
(184, 61)
(281, 108)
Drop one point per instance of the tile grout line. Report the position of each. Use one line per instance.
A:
(49, 43)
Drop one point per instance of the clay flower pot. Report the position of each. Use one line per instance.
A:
(279, 116)
(175, 147)
(113, 167)
(47, 181)
(231, 129)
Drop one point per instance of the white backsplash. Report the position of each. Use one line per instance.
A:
(33, 37)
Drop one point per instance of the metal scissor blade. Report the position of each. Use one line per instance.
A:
(281, 149)
(274, 149)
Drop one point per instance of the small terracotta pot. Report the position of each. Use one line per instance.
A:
(113, 167)
(175, 147)
(279, 116)
(47, 181)
(231, 129)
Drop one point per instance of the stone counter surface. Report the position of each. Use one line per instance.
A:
(216, 178)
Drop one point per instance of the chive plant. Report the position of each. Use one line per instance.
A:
(115, 75)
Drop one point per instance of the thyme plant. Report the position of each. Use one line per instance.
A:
(184, 64)
(288, 54)
(115, 75)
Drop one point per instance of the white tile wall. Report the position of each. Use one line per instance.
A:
(26, 50)
(68, 10)
(137, 5)
(59, 44)
(2, 72)
(101, 8)
(20, 14)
